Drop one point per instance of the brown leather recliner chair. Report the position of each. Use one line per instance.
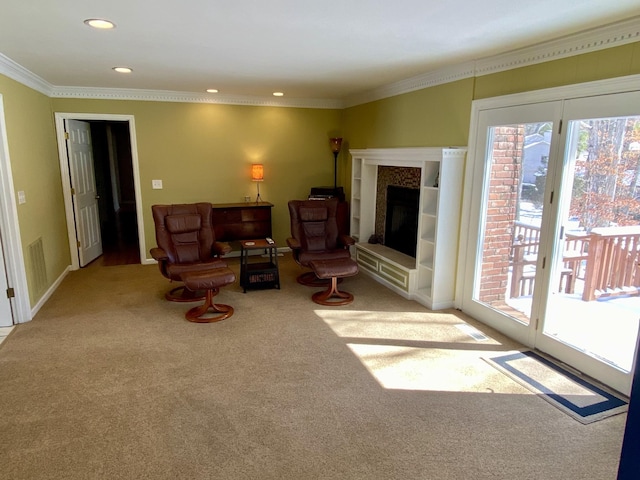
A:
(186, 244)
(315, 235)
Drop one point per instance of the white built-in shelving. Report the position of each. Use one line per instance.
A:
(428, 278)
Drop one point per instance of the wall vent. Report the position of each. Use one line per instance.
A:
(38, 267)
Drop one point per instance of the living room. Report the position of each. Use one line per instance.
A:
(202, 149)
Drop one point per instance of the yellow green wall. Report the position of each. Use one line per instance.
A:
(431, 117)
(440, 115)
(36, 171)
(202, 152)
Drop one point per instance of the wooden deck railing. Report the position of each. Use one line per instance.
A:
(611, 255)
(612, 263)
(525, 234)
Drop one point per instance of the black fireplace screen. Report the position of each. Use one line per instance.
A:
(401, 222)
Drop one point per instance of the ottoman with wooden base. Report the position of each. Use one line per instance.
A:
(210, 281)
(333, 270)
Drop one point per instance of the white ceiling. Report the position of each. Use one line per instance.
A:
(328, 49)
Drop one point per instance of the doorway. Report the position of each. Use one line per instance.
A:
(540, 266)
(117, 187)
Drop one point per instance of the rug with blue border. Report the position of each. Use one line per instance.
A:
(575, 395)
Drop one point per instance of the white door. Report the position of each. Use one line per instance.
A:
(506, 213)
(6, 318)
(555, 207)
(83, 184)
(591, 310)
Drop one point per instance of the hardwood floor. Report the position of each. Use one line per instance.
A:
(120, 255)
(120, 240)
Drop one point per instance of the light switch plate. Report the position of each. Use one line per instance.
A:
(156, 184)
(22, 198)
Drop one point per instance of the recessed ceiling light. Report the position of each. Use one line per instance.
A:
(278, 94)
(212, 90)
(123, 69)
(100, 23)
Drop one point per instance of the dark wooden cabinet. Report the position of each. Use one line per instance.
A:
(241, 221)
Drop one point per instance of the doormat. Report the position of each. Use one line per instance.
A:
(572, 394)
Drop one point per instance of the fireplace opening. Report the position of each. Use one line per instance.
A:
(401, 221)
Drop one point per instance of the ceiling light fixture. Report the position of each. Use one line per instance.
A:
(278, 94)
(100, 23)
(123, 69)
(212, 90)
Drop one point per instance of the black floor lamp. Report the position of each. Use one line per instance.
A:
(335, 143)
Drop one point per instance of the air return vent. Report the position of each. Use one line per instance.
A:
(38, 266)
(472, 332)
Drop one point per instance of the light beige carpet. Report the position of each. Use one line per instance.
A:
(110, 381)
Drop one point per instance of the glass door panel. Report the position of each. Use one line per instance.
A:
(517, 160)
(507, 204)
(593, 306)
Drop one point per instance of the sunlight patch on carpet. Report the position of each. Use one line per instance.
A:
(420, 351)
(406, 368)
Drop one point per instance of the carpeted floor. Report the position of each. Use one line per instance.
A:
(110, 381)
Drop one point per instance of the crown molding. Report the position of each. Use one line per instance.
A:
(425, 80)
(617, 34)
(190, 97)
(613, 35)
(20, 74)
(609, 36)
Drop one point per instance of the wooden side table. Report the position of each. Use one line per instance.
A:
(261, 274)
(237, 221)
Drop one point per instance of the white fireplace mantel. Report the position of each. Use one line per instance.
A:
(430, 277)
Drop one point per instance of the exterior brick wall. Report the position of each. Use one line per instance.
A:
(507, 153)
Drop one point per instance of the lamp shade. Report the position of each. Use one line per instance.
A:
(335, 143)
(257, 172)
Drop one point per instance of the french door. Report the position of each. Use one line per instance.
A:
(555, 222)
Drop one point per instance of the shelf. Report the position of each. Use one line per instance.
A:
(425, 282)
(425, 293)
(430, 210)
(427, 250)
(428, 228)
(356, 169)
(429, 201)
(431, 174)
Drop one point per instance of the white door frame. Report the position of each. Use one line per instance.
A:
(66, 182)
(14, 258)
